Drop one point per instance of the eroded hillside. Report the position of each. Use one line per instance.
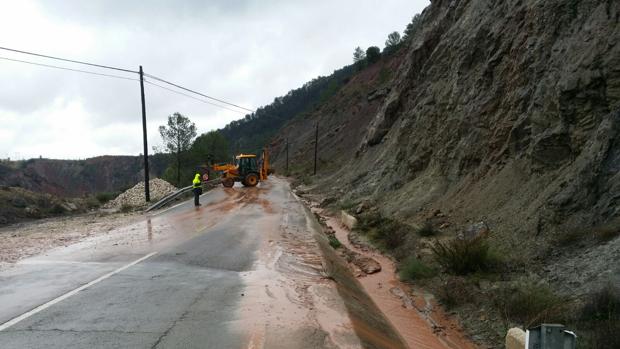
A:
(502, 112)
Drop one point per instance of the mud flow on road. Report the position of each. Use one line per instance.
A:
(247, 269)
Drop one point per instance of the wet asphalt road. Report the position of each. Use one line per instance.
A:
(225, 275)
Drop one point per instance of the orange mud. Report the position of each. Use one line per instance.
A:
(288, 303)
(419, 320)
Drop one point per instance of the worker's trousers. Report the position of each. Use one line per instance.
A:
(197, 192)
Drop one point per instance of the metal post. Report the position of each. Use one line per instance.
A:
(147, 193)
(287, 156)
(316, 144)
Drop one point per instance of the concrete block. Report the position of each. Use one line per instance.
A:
(515, 338)
(348, 220)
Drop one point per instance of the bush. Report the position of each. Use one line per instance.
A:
(386, 232)
(105, 197)
(530, 305)
(92, 202)
(602, 306)
(456, 291)
(57, 209)
(414, 269)
(600, 318)
(427, 230)
(334, 242)
(126, 208)
(463, 257)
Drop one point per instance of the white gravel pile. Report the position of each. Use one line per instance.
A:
(134, 197)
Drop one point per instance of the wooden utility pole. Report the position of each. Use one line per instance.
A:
(316, 144)
(147, 193)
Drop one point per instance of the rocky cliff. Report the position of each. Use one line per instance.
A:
(502, 110)
(506, 112)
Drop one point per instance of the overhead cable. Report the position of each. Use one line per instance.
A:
(192, 97)
(70, 69)
(68, 60)
(198, 93)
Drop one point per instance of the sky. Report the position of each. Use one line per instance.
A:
(243, 51)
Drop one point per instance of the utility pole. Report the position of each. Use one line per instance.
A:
(147, 193)
(287, 156)
(316, 145)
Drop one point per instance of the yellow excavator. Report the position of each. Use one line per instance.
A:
(246, 169)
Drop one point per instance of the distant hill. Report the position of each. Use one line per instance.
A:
(72, 178)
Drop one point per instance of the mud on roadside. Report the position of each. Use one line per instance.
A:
(27, 239)
(411, 310)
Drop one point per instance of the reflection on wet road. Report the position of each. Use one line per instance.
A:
(244, 270)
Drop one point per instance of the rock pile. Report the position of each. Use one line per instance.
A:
(134, 197)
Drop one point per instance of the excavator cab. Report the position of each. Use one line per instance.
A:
(246, 164)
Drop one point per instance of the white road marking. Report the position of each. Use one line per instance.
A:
(42, 307)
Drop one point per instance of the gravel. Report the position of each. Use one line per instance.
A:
(134, 197)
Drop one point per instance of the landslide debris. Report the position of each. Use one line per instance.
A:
(134, 197)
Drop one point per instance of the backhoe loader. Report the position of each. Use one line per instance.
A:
(246, 170)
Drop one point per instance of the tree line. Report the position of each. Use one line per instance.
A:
(188, 153)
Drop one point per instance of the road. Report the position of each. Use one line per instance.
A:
(247, 269)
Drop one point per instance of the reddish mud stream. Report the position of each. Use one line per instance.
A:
(418, 319)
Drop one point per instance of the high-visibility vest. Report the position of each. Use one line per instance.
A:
(196, 181)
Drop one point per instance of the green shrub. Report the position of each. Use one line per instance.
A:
(599, 319)
(347, 204)
(530, 304)
(414, 269)
(334, 242)
(608, 231)
(126, 208)
(463, 257)
(456, 291)
(92, 202)
(105, 196)
(387, 233)
(427, 229)
(572, 237)
(58, 209)
(391, 234)
(602, 306)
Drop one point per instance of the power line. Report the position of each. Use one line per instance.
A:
(70, 69)
(192, 97)
(198, 93)
(68, 60)
(121, 77)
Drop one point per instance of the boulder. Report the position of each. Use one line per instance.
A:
(32, 211)
(348, 220)
(475, 231)
(515, 338)
(367, 264)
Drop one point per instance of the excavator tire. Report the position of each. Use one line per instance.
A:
(228, 182)
(251, 180)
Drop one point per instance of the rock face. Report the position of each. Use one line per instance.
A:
(507, 112)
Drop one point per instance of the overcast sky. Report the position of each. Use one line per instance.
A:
(243, 51)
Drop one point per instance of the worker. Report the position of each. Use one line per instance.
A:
(197, 188)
